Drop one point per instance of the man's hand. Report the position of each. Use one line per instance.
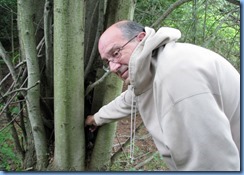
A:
(91, 122)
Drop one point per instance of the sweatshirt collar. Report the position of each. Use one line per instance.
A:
(142, 63)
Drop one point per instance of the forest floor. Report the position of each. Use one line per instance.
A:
(146, 157)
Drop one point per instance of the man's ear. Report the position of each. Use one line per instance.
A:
(141, 36)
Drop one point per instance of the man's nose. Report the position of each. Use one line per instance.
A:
(114, 66)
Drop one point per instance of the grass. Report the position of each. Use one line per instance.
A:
(146, 154)
(123, 163)
(8, 159)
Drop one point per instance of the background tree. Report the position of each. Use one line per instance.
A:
(27, 35)
(213, 24)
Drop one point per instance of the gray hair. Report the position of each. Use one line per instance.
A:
(130, 28)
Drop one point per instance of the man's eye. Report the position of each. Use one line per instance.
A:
(116, 54)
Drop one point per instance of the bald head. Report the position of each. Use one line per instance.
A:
(122, 30)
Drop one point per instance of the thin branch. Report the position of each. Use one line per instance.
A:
(9, 123)
(98, 33)
(87, 39)
(10, 100)
(146, 161)
(6, 7)
(18, 146)
(40, 46)
(90, 87)
(12, 32)
(126, 143)
(48, 33)
(8, 62)
(40, 43)
(168, 11)
(121, 146)
(216, 30)
(20, 89)
(234, 2)
(18, 85)
(6, 105)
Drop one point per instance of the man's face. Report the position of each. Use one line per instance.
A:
(116, 51)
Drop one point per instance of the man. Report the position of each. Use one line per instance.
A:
(188, 96)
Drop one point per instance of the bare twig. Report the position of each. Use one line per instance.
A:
(126, 143)
(20, 89)
(90, 87)
(87, 39)
(235, 2)
(9, 123)
(10, 100)
(168, 11)
(39, 47)
(145, 161)
(18, 146)
(8, 62)
(221, 22)
(6, 7)
(98, 33)
(6, 105)
(17, 66)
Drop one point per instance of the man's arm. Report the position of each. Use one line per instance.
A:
(119, 108)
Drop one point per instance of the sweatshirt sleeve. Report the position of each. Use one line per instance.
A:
(119, 108)
(198, 136)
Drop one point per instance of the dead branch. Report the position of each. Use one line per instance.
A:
(146, 161)
(221, 22)
(89, 31)
(169, 11)
(235, 2)
(20, 89)
(17, 66)
(9, 123)
(126, 143)
(8, 62)
(16, 92)
(90, 87)
(40, 46)
(98, 33)
(7, 104)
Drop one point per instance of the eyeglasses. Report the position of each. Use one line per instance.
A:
(115, 56)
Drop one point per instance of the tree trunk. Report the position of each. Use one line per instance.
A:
(108, 90)
(48, 16)
(33, 94)
(69, 85)
(111, 87)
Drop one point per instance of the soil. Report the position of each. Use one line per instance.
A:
(144, 148)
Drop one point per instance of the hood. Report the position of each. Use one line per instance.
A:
(142, 63)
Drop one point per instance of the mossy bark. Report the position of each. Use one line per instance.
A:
(69, 85)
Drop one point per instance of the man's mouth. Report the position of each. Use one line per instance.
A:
(123, 72)
(124, 75)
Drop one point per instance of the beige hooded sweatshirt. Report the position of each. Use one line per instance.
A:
(189, 100)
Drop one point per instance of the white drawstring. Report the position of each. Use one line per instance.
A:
(132, 129)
